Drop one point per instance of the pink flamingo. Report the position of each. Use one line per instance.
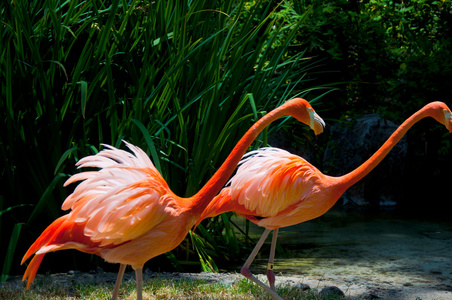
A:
(273, 188)
(126, 213)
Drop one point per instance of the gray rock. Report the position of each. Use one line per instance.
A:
(302, 286)
(73, 272)
(331, 291)
(371, 296)
(351, 144)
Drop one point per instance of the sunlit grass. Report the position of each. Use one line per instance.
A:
(154, 288)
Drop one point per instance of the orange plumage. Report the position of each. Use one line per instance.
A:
(115, 211)
(274, 189)
(126, 213)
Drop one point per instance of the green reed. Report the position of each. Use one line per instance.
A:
(181, 79)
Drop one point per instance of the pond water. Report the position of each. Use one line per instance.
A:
(358, 247)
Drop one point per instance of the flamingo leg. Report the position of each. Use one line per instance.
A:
(271, 259)
(122, 268)
(139, 280)
(245, 271)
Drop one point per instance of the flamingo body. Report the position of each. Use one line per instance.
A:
(274, 189)
(126, 213)
(121, 212)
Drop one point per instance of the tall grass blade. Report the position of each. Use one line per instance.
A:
(63, 158)
(84, 96)
(184, 79)
(45, 198)
(10, 252)
(150, 144)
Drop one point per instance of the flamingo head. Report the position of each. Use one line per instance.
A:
(304, 113)
(442, 114)
(448, 119)
(316, 122)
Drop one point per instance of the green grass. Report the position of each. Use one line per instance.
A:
(155, 288)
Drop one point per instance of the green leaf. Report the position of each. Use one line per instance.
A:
(84, 95)
(9, 257)
(13, 207)
(150, 143)
(63, 158)
(46, 198)
(174, 261)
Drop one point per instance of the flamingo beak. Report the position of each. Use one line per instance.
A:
(316, 122)
(448, 119)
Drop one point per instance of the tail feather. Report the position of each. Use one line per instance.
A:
(45, 238)
(41, 241)
(32, 269)
(63, 233)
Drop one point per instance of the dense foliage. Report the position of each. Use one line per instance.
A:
(393, 57)
(393, 54)
(184, 80)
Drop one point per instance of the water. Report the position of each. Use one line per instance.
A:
(361, 247)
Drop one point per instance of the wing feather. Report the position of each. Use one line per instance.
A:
(122, 200)
(269, 180)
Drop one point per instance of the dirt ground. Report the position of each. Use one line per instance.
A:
(353, 286)
(367, 258)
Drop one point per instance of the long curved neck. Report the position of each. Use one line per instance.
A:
(201, 199)
(353, 177)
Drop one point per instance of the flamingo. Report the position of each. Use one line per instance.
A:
(126, 213)
(274, 188)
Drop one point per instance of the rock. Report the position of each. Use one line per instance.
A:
(351, 144)
(73, 272)
(305, 146)
(370, 296)
(302, 286)
(331, 291)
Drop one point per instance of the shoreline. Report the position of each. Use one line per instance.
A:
(352, 286)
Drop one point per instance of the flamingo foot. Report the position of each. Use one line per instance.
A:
(247, 273)
(271, 279)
